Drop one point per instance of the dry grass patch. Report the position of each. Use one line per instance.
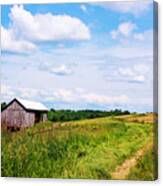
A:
(140, 118)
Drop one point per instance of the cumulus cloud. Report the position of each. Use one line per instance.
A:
(61, 70)
(26, 28)
(124, 29)
(136, 73)
(47, 27)
(9, 42)
(56, 69)
(127, 32)
(135, 8)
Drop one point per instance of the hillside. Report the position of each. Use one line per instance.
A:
(88, 149)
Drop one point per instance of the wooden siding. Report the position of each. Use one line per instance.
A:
(45, 117)
(29, 119)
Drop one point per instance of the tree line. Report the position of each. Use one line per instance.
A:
(69, 115)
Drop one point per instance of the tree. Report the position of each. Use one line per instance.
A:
(3, 105)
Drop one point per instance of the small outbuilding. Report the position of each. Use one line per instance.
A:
(20, 113)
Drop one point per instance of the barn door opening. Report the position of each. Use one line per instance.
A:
(38, 117)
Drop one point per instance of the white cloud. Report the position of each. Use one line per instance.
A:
(54, 66)
(83, 8)
(144, 36)
(9, 42)
(28, 93)
(26, 28)
(102, 99)
(141, 68)
(61, 95)
(139, 78)
(75, 96)
(135, 8)
(124, 29)
(139, 36)
(61, 70)
(114, 34)
(126, 72)
(126, 33)
(7, 92)
(47, 27)
(136, 73)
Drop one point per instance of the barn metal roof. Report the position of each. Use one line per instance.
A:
(32, 105)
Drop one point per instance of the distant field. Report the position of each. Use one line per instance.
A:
(98, 148)
(141, 118)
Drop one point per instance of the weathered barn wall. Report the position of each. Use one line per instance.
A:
(29, 119)
(15, 116)
(45, 117)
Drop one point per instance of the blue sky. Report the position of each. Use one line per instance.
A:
(79, 55)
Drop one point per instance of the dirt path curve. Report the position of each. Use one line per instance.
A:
(123, 170)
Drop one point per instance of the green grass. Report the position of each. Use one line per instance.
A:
(89, 148)
(145, 169)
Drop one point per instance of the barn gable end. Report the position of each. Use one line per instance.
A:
(15, 114)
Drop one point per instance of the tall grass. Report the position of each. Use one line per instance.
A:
(145, 169)
(80, 149)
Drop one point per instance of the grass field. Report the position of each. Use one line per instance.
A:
(87, 149)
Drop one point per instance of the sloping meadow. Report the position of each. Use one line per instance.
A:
(87, 149)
